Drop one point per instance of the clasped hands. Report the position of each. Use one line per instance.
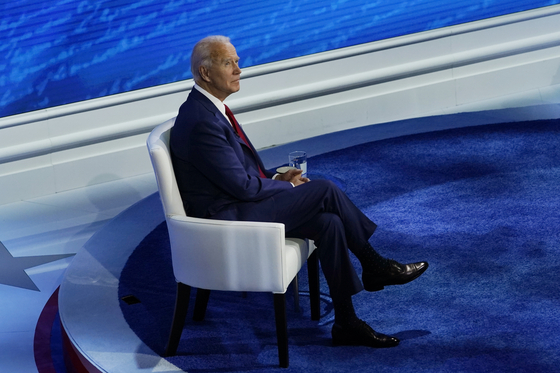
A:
(293, 176)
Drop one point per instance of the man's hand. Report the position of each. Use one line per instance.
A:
(293, 176)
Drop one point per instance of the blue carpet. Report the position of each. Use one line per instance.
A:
(481, 204)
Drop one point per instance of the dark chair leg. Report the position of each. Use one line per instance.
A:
(181, 308)
(313, 274)
(295, 288)
(281, 329)
(202, 296)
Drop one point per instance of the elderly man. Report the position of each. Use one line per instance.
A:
(221, 176)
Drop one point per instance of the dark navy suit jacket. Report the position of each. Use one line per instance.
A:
(218, 178)
(216, 171)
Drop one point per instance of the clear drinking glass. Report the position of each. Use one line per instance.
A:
(298, 160)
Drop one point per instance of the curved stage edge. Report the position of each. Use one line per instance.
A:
(96, 336)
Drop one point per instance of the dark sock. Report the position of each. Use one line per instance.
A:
(370, 259)
(344, 313)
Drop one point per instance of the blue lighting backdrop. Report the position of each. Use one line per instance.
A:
(62, 51)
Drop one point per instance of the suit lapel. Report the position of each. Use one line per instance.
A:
(214, 110)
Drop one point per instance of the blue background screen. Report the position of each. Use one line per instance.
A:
(64, 51)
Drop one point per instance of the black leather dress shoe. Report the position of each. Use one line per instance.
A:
(396, 274)
(361, 334)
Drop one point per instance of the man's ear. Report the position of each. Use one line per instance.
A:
(204, 73)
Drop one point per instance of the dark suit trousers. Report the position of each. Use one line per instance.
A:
(320, 211)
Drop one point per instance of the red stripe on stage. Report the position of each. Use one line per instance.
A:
(42, 339)
(72, 360)
(42, 343)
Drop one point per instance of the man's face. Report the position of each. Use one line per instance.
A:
(222, 78)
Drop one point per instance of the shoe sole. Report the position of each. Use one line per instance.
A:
(341, 341)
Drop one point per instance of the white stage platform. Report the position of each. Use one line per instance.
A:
(98, 336)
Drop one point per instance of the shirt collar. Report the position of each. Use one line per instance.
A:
(216, 101)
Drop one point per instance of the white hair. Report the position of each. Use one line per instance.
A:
(202, 53)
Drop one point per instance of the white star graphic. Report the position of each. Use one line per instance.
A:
(12, 270)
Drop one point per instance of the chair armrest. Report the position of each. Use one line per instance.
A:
(229, 255)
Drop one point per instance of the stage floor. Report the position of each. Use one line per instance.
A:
(58, 224)
(56, 227)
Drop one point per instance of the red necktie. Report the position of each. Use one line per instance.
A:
(237, 129)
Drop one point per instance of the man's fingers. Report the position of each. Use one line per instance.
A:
(294, 173)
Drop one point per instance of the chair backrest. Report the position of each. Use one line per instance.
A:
(158, 147)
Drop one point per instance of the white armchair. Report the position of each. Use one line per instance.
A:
(213, 254)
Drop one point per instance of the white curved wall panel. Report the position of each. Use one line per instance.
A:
(505, 62)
